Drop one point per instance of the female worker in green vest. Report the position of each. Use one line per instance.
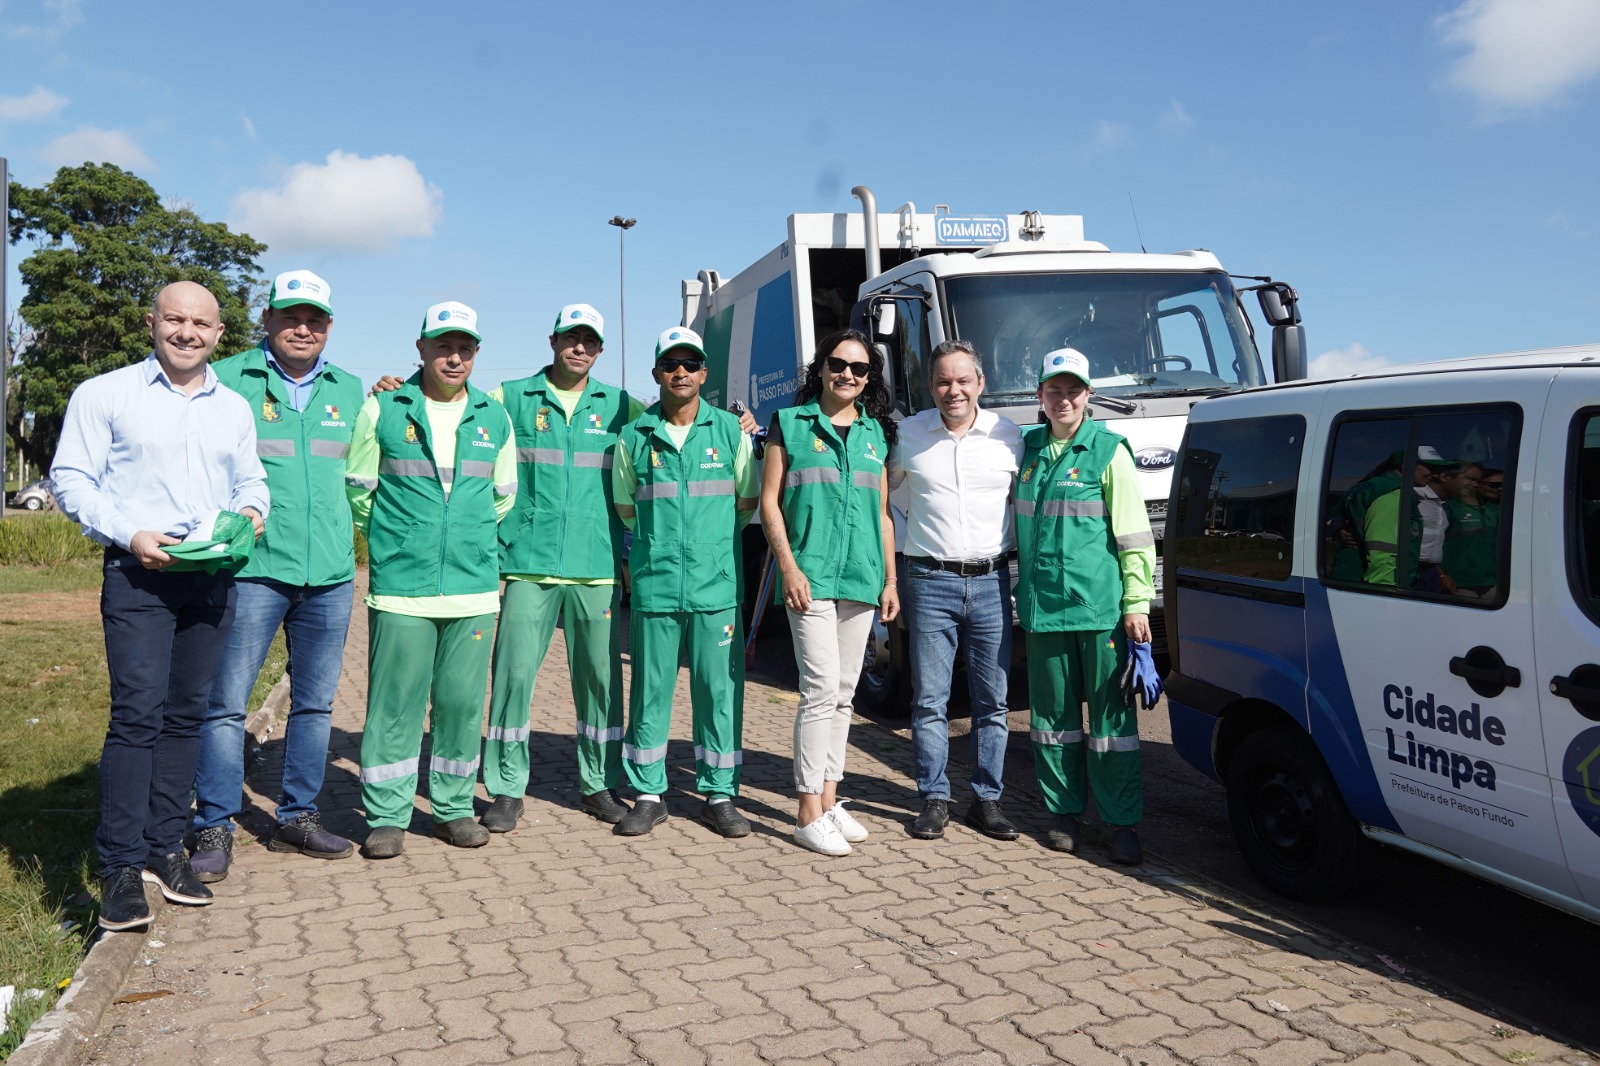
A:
(433, 469)
(684, 481)
(825, 513)
(1085, 555)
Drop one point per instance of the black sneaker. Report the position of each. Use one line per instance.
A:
(305, 835)
(1125, 848)
(178, 882)
(122, 902)
(502, 815)
(645, 816)
(1065, 834)
(461, 833)
(605, 806)
(725, 818)
(931, 822)
(985, 817)
(384, 842)
(213, 853)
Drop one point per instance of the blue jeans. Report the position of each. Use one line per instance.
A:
(944, 611)
(314, 619)
(164, 637)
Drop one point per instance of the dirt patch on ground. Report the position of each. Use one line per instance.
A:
(29, 607)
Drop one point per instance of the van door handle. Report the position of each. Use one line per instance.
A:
(1582, 687)
(1485, 672)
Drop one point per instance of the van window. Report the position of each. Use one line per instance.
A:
(1418, 502)
(1235, 497)
(1583, 518)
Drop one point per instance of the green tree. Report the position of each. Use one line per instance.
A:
(105, 244)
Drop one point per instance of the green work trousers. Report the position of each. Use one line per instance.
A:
(1066, 671)
(592, 621)
(412, 662)
(714, 643)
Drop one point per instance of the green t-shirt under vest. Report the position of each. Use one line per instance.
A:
(832, 502)
(308, 536)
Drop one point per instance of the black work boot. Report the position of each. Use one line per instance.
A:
(1065, 834)
(645, 816)
(503, 814)
(1125, 847)
(384, 842)
(723, 817)
(985, 817)
(605, 806)
(461, 833)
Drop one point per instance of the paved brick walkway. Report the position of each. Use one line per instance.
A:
(562, 943)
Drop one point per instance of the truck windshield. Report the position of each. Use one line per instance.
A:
(1146, 334)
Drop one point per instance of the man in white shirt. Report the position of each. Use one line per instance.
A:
(954, 467)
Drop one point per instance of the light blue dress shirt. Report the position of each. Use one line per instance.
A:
(136, 454)
(298, 393)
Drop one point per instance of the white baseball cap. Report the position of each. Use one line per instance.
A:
(679, 337)
(300, 287)
(574, 315)
(450, 317)
(1065, 361)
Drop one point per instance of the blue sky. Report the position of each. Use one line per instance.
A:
(1424, 174)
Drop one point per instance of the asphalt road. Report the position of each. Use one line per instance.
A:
(1519, 959)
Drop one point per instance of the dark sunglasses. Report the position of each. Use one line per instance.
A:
(1496, 485)
(839, 366)
(673, 362)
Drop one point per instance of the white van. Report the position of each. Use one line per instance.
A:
(1385, 597)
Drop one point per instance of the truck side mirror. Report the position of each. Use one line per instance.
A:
(883, 319)
(1280, 304)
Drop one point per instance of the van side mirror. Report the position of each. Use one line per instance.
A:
(1288, 353)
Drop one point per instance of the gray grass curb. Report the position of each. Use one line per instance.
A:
(58, 1037)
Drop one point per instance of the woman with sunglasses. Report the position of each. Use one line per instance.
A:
(825, 512)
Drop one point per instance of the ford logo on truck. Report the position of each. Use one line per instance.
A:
(1155, 458)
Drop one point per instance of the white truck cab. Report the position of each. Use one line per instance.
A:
(1383, 609)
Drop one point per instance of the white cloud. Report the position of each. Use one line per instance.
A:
(38, 105)
(62, 15)
(249, 127)
(1354, 359)
(1108, 137)
(1522, 54)
(348, 203)
(1176, 117)
(90, 144)
(1562, 221)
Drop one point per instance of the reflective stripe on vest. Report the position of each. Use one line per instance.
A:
(269, 447)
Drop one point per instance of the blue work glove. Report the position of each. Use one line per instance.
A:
(1139, 677)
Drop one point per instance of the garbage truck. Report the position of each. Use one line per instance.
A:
(1161, 331)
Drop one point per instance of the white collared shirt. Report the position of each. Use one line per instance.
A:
(1434, 522)
(956, 491)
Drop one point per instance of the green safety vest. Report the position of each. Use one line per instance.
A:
(1470, 543)
(308, 536)
(1350, 562)
(1069, 577)
(1383, 539)
(563, 524)
(420, 542)
(832, 502)
(685, 554)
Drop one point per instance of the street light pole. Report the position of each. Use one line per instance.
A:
(623, 226)
(5, 329)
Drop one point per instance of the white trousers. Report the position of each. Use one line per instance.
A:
(830, 644)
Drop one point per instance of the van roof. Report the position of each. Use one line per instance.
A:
(1572, 355)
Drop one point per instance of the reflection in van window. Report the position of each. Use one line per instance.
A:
(1413, 503)
(1236, 496)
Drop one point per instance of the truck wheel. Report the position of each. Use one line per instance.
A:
(1290, 821)
(885, 685)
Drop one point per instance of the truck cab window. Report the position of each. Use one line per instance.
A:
(1414, 504)
(1235, 497)
(911, 343)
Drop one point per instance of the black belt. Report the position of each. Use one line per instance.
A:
(975, 568)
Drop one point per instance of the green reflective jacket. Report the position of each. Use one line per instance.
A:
(832, 502)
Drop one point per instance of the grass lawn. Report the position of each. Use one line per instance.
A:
(53, 708)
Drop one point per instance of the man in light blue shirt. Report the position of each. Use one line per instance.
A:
(148, 455)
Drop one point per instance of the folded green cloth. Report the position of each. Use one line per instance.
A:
(232, 537)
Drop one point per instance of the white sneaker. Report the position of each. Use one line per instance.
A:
(822, 836)
(852, 830)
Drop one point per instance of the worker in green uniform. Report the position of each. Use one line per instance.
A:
(1085, 555)
(432, 470)
(558, 555)
(1423, 511)
(1472, 540)
(684, 480)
